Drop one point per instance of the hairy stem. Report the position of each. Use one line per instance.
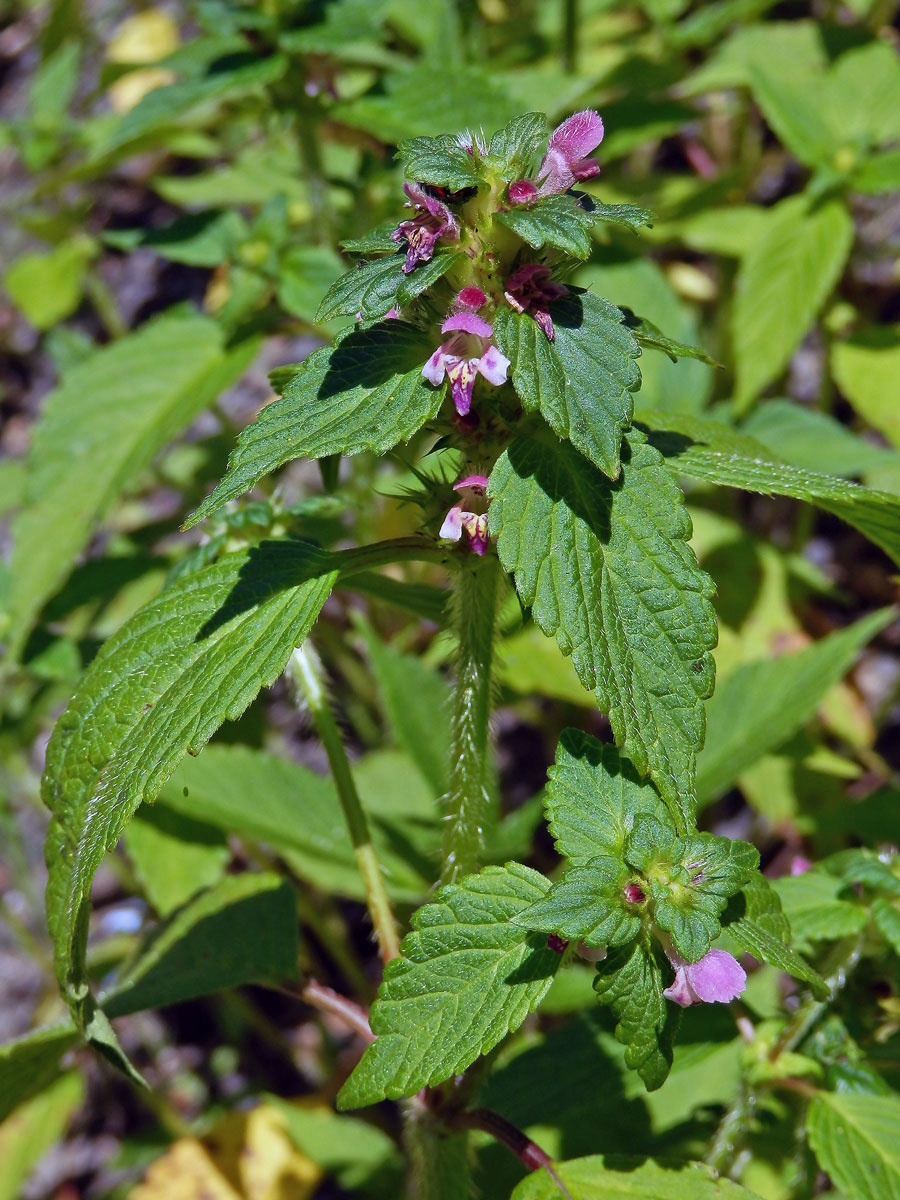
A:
(439, 1167)
(305, 674)
(474, 610)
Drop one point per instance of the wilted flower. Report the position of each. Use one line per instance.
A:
(467, 354)
(717, 978)
(461, 517)
(432, 222)
(530, 289)
(566, 160)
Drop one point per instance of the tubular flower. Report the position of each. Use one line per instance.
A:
(462, 519)
(717, 978)
(467, 354)
(433, 221)
(566, 160)
(530, 289)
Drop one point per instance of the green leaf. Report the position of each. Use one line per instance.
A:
(361, 1157)
(31, 1062)
(582, 381)
(631, 215)
(629, 980)
(201, 239)
(811, 903)
(467, 977)
(241, 930)
(514, 147)
(867, 370)
(705, 449)
(422, 728)
(425, 274)
(34, 1128)
(761, 705)
(792, 104)
(593, 1178)
(878, 173)
(48, 287)
(886, 916)
(588, 905)
(648, 334)
(173, 856)
(441, 161)
(854, 1138)
(159, 689)
(304, 275)
(366, 393)
(815, 441)
(369, 289)
(755, 920)
(376, 241)
(593, 798)
(112, 413)
(607, 569)
(557, 221)
(784, 279)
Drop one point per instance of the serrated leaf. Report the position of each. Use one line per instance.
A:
(107, 420)
(593, 798)
(241, 930)
(784, 279)
(29, 1063)
(812, 904)
(588, 905)
(369, 289)
(513, 148)
(760, 933)
(629, 980)
(607, 570)
(650, 335)
(594, 1178)
(157, 690)
(854, 1137)
(467, 977)
(425, 274)
(376, 241)
(440, 161)
(366, 393)
(761, 705)
(622, 214)
(815, 441)
(707, 450)
(581, 382)
(557, 221)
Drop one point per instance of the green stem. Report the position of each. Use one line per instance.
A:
(438, 1157)
(475, 614)
(305, 674)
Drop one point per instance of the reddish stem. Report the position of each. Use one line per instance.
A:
(525, 1150)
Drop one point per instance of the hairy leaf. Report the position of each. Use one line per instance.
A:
(616, 1178)
(854, 1137)
(607, 569)
(366, 393)
(630, 981)
(582, 381)
(513, 148)
(557, 221)
(441, 161)
(622, 214)
(159, 689)
(107, 420)
(467, 976)
(588, 905)
(370, 289)
(593, 797)
(651, 336)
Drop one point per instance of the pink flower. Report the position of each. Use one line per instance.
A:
(462, 519)
(467, 354)
(566, 160)
(433, 221)
(717, 978)
(530, 289)
(800, 864)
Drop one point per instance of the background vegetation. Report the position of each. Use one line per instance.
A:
(176, 183)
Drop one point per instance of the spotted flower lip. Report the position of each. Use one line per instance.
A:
(566, 161)
(433, 221)
(716, 979)
(467, 354)
(530, 289)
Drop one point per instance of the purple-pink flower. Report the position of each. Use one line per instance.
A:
(468, 353)
(530, 289)
(717, 978)
(567, 159)
(462, 519)
(433, 221)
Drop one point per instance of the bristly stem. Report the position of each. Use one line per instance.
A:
(474, 612)
(305, 674)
